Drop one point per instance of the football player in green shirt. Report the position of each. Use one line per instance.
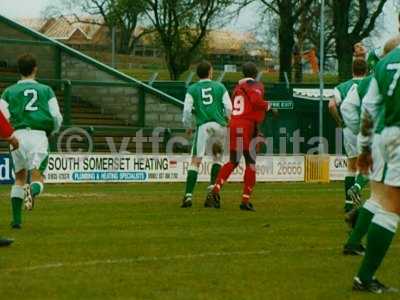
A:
(33, 111)
(360, 69)
(383, 95)
(372, 57)
(351, 112)
(209, 101)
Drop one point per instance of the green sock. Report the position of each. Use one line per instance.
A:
(16, 205)
(36, 188)
(214, 173)
(17, 196)
(361, 180)
(379, 239)
(361, 228)
(191, 180)
(348, 183)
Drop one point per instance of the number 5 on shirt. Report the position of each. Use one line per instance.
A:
(207, 96)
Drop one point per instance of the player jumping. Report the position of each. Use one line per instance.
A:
(33, 111)
(212, 109)
(372, 57)
(249, 110)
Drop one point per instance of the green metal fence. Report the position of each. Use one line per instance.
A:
(67, 86)
(301, 118)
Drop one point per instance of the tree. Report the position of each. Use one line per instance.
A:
(353, 21)
(182, 26)
(124, 15)
(307, 30)
(288, 12)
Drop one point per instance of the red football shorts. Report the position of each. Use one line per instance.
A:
(241, 133)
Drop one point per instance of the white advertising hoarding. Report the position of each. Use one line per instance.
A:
(66, 168)
(337, 167)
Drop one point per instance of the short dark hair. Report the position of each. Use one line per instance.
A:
(360, 67)
(250, 70)
(203, 69)
(26, 64)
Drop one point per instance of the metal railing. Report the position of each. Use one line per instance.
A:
(67, 85)
(35, 38)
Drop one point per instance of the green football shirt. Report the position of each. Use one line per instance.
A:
(208, 103)
(343, 89)
(28, 104)
(350, 108)
(362, 89)
(387, 74)
(363, 86)
(373, 58)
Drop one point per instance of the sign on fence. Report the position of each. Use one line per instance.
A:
(338, 167)
(6, 170)
(158, 168)
(70, 168)
(289, 105)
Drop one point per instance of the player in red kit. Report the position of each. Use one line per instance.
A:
(249, 108)
(6, 132)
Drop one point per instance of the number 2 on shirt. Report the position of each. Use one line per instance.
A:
(30, 106)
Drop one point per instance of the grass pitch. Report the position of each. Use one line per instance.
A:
(132, 241)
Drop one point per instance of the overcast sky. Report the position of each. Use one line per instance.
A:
(34, 8)
(22, 8)
(246, 22)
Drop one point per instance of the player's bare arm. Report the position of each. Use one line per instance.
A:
(333, 110)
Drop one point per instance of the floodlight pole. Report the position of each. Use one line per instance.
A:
(321, 78)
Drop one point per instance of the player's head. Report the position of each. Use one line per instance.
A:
(250, 70)
(204, 70)
(359, 50)
(360, 67)
(27, 65)
(391, 44)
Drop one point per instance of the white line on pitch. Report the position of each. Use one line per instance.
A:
(135, 260)
(147, 259)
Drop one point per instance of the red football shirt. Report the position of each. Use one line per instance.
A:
(248, 102)
(5, 128)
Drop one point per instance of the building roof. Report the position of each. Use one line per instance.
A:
(230, 42)
(34, 23)
(89, 30)
(65, 28)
